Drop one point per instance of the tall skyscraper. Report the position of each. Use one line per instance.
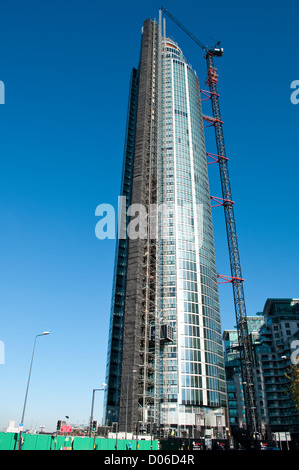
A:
(165, 362)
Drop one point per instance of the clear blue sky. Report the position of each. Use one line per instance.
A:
(66, 67)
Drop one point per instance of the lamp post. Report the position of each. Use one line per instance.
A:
(92, 405)
(25, 401)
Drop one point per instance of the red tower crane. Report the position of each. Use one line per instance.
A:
(236, 278)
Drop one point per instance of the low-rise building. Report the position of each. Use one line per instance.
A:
(273, 360)
(275, 341)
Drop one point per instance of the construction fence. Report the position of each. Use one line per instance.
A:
(9, 441)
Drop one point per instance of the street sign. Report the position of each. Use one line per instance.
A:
(65, 428)
(196, 445)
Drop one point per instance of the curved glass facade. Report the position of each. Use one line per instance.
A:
(193, 366)
(165, 358)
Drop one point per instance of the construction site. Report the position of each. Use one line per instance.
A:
(160, 363)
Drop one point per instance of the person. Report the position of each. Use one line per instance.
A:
(130, 445)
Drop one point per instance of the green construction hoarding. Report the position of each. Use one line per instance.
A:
(9, 441)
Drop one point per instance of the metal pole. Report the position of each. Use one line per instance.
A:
(127, 400)
(26, 395)
(91, 413)
(92, 406)
(116, 436)
(137, 435)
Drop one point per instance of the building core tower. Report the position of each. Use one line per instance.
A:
(165, 364)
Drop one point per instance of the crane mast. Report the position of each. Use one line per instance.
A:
(236, 279)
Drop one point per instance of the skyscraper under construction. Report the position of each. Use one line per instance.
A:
(165, 365)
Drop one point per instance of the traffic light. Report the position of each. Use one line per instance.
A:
(94, 425)
(58, 427)
(114, 427)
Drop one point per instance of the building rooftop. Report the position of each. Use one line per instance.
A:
(273, 306)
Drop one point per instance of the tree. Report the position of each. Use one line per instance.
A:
(293, 377)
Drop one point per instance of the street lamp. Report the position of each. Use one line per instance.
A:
(92, 404)
(24, 407)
